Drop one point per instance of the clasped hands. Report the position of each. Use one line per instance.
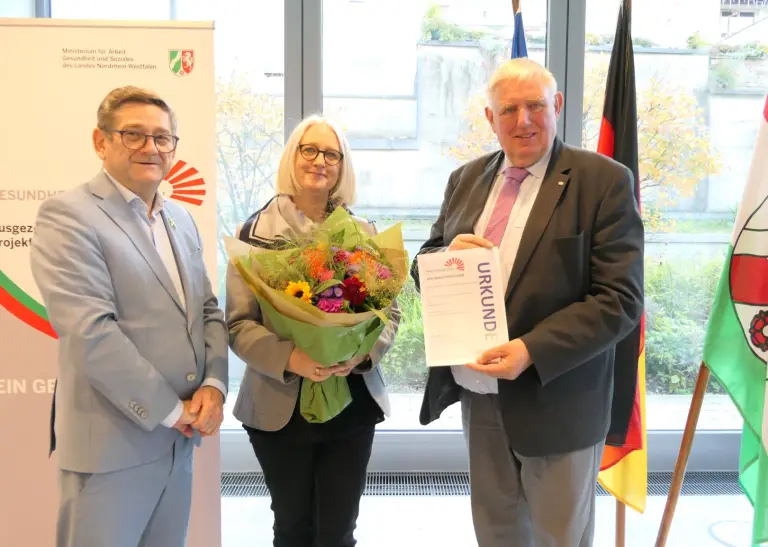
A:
(204, 412)
(303, 365)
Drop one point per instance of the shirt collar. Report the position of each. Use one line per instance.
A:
(133, 200)
(538, 169)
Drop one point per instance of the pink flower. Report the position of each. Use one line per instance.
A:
(330, 305)
(383, 272)
(342, 256)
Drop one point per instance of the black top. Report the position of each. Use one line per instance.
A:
(362, 412)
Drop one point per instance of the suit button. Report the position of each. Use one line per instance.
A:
(143, 414)
(132, 405)
(191, 377)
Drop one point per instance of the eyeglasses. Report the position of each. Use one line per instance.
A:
(133, 140)
(310, 152)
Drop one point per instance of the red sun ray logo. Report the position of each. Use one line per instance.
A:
(455, 264)
(184, 184)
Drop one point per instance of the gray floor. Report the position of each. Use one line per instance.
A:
(445, 521)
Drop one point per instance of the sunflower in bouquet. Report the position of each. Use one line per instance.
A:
(331, 293)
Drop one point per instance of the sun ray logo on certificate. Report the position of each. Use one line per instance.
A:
(455, 264)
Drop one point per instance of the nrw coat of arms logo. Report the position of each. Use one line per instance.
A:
(749, 280)
(181, 61)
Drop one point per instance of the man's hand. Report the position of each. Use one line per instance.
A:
(507, 361)
(346, 367)
(209, 403)
(185, 421)
(468, 241)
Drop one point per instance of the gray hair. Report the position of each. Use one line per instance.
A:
(105, 116)
(522, 69)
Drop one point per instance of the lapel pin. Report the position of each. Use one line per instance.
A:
(171, 222)
(560, 183)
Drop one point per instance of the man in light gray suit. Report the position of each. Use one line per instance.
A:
(142, 342)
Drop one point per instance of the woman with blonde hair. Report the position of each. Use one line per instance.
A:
(315, 472)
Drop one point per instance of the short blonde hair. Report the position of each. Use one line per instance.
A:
(522, 69)
(105, 116)
(345, 190)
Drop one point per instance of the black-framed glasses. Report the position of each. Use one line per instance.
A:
(133, 140)
(309, 152)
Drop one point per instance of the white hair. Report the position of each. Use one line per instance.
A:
(522, 69)
(345, 190)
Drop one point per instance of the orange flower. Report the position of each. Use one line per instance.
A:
(363, 258)
(316, 259)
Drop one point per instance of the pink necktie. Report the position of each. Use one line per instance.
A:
(497, 225)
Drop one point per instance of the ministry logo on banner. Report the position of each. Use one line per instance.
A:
(182, 61)
(184, 184)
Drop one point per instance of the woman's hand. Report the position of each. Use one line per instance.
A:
(300, 363)
(343, 369)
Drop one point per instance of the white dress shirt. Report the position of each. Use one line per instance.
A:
(154, 227)
(510, 242)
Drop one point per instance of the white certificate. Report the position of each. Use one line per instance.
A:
(462, 301)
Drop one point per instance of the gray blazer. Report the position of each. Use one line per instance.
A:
(268, 393)
(127, 350)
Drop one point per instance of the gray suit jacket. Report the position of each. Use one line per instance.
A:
(575, 291)
(268, 393)
(127, 350)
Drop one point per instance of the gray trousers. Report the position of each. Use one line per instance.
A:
(526, 501)
(144, 506)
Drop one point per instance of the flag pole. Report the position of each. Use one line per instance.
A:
(515, 6)
(621, 524)
(621, 509)
(702, 381)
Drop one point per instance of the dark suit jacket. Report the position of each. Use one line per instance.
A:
(576, 289)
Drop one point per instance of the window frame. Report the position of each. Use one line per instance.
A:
(445, 450)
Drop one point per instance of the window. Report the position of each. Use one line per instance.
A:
(17, 8)
(249, 108)
(411, 97)
(98, 9)
(697, 94)
(405, 79)
(249, 121)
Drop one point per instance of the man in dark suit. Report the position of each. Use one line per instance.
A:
(536, 410)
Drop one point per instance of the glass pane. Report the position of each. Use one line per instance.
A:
(99, 9)
(700, 90)
(249, 116)
(411, 98)
(17, 8)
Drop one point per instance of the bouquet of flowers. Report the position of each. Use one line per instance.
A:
(331, 293)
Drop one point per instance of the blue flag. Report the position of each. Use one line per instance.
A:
(519, 48)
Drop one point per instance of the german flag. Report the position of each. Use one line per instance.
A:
(624, 467)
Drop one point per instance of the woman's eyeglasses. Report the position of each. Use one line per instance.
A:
(309, 152)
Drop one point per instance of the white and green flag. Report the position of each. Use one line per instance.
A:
(736, 347)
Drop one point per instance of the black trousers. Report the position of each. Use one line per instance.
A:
(316, 477)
